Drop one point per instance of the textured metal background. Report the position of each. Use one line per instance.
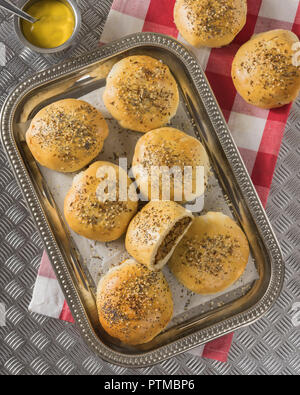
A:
(32, 344)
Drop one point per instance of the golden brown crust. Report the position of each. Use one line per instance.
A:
(67, 135)
(210, 23)
(134, 303)
(212, 255)
(168, 147)
(263, 71)
(92, 218)
(141, 93)
(149, 228)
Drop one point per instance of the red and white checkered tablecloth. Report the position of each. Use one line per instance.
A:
(258, 133)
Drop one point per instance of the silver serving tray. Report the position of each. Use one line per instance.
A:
(76, 77)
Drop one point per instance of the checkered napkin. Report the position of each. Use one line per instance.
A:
(257, 133)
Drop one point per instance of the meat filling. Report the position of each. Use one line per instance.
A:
(171, 238)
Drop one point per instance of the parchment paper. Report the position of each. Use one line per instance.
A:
(99, 257)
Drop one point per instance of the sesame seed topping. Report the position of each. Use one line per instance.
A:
(213, 18)
(68, 134)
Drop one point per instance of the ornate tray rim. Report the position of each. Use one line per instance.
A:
(203, 89)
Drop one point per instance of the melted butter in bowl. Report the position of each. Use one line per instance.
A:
(55, 25)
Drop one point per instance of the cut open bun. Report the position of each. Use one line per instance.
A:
(155, 231)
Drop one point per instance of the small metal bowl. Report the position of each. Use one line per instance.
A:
(65, 45)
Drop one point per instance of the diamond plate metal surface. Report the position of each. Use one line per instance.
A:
(33, 344)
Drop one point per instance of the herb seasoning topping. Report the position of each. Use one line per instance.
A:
(141, 93)
(69, 131)
(213, 18)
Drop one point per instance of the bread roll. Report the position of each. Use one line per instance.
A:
(210, 23)
(134, 303)
(67, 135)
(155, 231)
(170, 148)
(263, 71)
(211, 256)
(141, 93)
(95, 214)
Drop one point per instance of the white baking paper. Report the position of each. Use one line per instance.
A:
(99, 257)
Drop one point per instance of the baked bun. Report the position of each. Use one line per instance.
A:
(212, 255)
(155, 231)
(94, 213)
(67, 135)
(210, 23)
(134, 303)
(170, 148)
(141, 93)
(263, 71)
